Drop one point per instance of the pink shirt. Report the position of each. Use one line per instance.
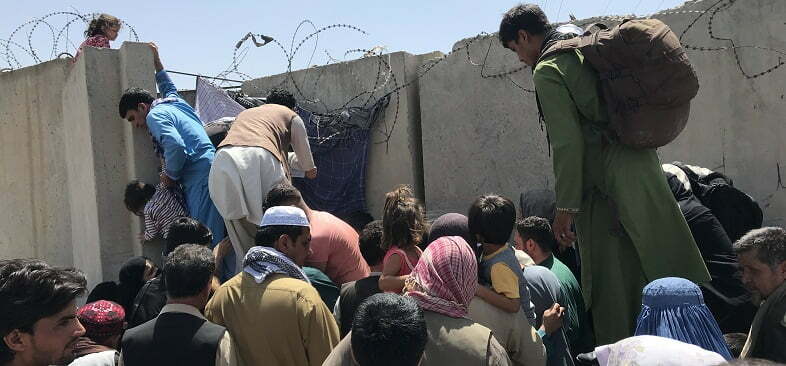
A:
(334, 245)
(408, 261)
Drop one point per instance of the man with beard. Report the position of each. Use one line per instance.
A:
(762, 255)
(38, 322)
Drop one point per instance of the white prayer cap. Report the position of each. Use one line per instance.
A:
(284, 215)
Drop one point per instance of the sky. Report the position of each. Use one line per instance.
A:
(199, 36)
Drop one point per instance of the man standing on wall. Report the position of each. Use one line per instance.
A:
(181, 139)
(630, 229)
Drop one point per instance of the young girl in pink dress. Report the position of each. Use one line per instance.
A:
(402, 231)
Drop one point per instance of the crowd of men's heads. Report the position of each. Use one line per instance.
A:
(41, 322)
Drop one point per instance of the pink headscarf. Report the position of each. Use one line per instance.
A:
(445, 278)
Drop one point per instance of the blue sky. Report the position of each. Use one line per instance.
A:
(199, 36)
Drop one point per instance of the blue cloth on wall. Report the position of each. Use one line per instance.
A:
(339, 144)
(674, 308)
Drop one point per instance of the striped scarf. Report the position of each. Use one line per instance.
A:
(262, 262)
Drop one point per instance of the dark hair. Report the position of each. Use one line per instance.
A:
(450, 224)
(267, 235)
(131, 99)
(106, 290)
(185, 230)
(137, 194)
(100, 23)
(188, 269)
(403, 219)
(282, 194)
(371, 243)
(527, 17)
(388, 329)
(539, 230)
(735, 342)
(31, 290)
(131, 278)
(769, 242)
(281, 97)
(492, 218)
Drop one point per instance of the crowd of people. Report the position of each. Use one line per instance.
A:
(252, 275)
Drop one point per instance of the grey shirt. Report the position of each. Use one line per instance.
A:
(451, 341)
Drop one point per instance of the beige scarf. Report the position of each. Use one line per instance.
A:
(758, 320)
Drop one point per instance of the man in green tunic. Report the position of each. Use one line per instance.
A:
(533, 235)
(629, 227)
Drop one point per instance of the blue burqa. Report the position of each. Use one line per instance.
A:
(674, 308)
(187, 151)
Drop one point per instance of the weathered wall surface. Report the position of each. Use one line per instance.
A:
(481, 134)
(35, 219)
(67, 157)
(391, 162)
(737, 124)
(467, 127)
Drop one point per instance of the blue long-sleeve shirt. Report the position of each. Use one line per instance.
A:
(173, 123)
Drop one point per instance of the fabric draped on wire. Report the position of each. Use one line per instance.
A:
(674, 308)
(339, 143)
(213, 103)
(444, 280)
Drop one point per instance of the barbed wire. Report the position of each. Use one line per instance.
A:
(384, 83)
(60, 37)
(713, 10)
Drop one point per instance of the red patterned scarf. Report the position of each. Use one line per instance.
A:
(445, 278)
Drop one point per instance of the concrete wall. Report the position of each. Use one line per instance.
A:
(35, 220)
(737, 124)
(397, 161)
(458, 132)
(482, 134)
(66, 158)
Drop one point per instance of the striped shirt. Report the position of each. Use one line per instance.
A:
(164, 207)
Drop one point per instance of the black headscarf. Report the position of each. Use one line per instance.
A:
(131, 280)
(451, 224)
(104, 291)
